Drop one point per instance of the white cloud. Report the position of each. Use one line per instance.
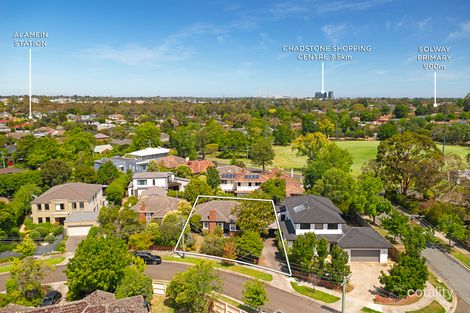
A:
(422, 25)
(462, 32)
(336, 6)
(334, 32)
(173, 48)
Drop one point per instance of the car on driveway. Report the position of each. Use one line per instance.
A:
(148, 257)
(52, 297)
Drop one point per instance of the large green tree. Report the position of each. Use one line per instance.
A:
(106, 173)
(453, 226)
(407, 160)
(194, 289)
(254, 216)
(195, 188)
(146, 135)
(99, 263)
(338, 268)
(134, 283)
(254, 294)
(55, 172)
(337, 185)
(249, 245)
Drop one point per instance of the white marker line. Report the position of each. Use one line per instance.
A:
(30, 113)
(435, 89)
(322, 77)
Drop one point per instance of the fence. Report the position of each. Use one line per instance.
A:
(219, 306)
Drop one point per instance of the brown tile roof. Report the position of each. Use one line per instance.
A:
(229, 169)
(158, 204)
(101, 136)
(223, 208)
(97, 302)
(200, 166)
(171, 161)
(293, 186)
(69, 191)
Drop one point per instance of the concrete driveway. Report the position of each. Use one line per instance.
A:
(72, 243)
(365, 278)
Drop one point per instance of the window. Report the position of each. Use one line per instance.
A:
(318, 226)
(82, 205)
(283, 217)
(48, 219)
(221, 225)
(239, 184)
(39, 219)
(141, 182)
(59, 207)
(304, 226)
(249, 184)
(38, 206)
(46, 206)
(74, 205)
(332, 226)
(233, 227)
(148, 216)
(258, 184)
(205, 225)
(223, 181)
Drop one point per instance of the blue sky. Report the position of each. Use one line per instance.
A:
(232, 48)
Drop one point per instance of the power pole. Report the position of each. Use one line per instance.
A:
(444, 135)
(343, 296)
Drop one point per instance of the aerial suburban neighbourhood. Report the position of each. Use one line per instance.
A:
(234, 157)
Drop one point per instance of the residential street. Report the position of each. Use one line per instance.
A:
(280, 301)
(457, 277)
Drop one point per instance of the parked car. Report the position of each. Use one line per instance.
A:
(52, 297)
(148, 257)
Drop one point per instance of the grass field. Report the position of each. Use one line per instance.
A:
(434, 307)
(369, 310)
(315, 294)
(465, 259)
(361, 152)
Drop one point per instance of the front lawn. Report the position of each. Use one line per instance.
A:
(369, 310)
(434, 307)
(465, 259)
(158, 305)
(236, 304)
(440, 286)
(51, 261)
(315, 294)
(234, 268)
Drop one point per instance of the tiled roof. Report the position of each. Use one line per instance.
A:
(97, 302)
(171, 161)
(223, 208)
(158, 204)
(200, 166)
(69, 191)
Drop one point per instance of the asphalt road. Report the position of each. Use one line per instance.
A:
(457, 277)
(279, 300)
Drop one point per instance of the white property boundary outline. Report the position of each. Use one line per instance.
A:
(175, 250)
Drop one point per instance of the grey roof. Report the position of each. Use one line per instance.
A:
(158, 204)
(150, 175)
(288, 230)
(362, 237)
(69, 191)
(121, 142)
(223, 208)
(153, 191)
(86, 216)
(312, 209)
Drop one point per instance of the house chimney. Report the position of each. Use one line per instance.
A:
(212, 221)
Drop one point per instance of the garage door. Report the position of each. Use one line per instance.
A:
(365, 255)
(78, 230)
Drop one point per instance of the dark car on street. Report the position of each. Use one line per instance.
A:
(52, 297)
(148, 257)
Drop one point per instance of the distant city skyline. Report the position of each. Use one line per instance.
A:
(221, 48)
